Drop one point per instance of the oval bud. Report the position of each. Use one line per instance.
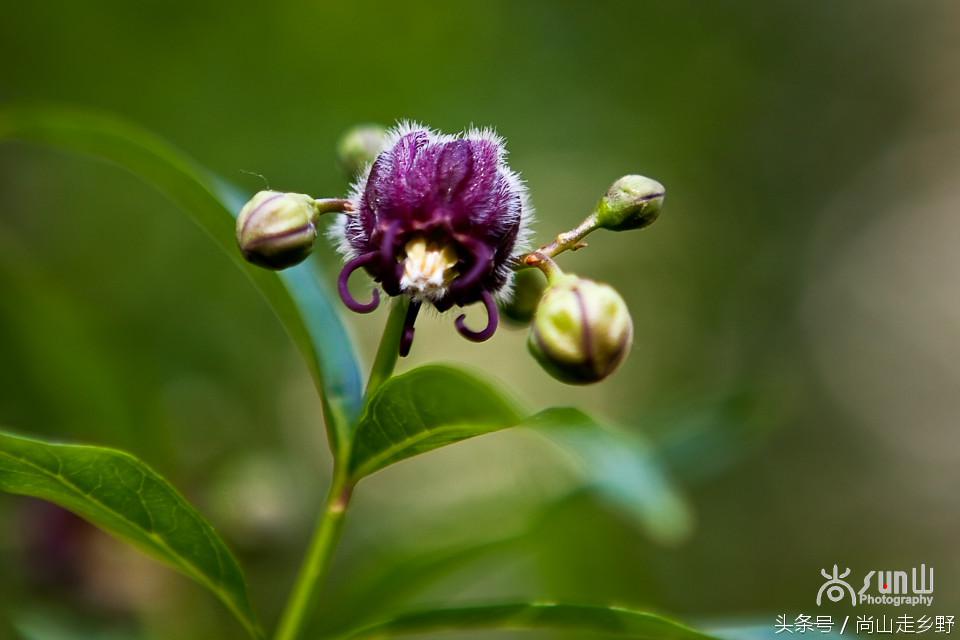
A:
(581, 331)
(528, 288)
(360, 146)
(277, 230)
(632, 202)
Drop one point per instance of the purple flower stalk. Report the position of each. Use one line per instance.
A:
(437, 218)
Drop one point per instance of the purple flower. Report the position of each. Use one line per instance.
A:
(437, 218)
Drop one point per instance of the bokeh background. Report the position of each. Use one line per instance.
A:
(796, 369)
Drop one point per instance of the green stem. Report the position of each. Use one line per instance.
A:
(315, 565)
(329, 526)
(331, 205)
(389, 348)
(567, 241)
(571, 240)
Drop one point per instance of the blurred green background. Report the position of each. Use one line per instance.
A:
(795, 368)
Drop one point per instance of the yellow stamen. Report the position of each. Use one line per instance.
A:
(427, 269)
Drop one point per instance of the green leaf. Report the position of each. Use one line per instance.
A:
(622, 469)
(297, 295)
(118, 493)
(423, 410)
(609, 620)
(699, 439)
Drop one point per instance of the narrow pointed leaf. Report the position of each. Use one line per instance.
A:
(423, 410)
(119, 494)
(621, 469)
(297, 295)
(606, 620)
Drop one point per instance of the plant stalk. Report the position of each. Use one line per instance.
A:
(329, 526)
(317, 562)
(571, 240)
(389, 349)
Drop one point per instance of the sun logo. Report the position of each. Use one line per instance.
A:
(836, 588)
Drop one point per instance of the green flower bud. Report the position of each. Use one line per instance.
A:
(632, 202)
(527, 290)
(277, 230)
(359, 146)
(581, 331)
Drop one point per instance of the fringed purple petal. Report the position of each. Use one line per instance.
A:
(361, 226)
(389, 269)
(482, 258)
(405, 151)
(420, 186)
(388, 240)
(454, 166)
(477, 196)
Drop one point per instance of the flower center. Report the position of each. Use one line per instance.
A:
(428, 269)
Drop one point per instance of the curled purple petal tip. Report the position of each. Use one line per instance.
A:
(493, 320)
(344, 290)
